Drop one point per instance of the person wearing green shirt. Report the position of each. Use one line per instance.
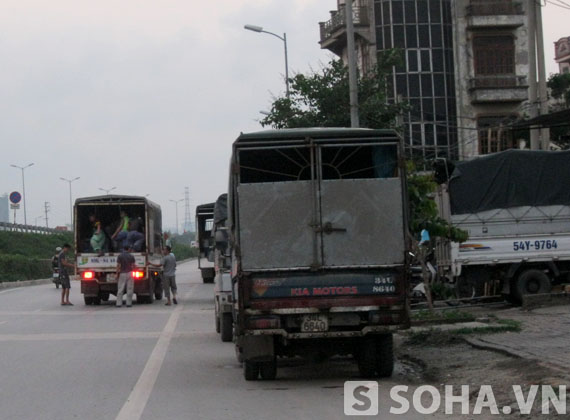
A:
(122, 230)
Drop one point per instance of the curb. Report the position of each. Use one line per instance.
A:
(483, 345)
(24, 283)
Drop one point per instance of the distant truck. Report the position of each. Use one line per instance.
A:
(515, 205)
(318, 226)
(205, 240)
(223, 300)
(97, 269)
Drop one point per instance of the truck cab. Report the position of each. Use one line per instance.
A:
(318, 228)
(96, 221)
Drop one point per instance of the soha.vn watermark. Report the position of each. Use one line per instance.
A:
(362, 398)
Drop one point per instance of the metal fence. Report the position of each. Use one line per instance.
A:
(12, 227)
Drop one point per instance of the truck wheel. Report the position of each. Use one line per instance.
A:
(96, 300)
(385, 355)
(367, 359)
(88, 300)
(208, 280)
(268, 370)
(531, 282)
(217, 321)
(158, 295)
(250, 370)
(57, 285)
(104, 296)
(226, 327)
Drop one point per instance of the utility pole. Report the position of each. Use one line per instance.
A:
(46, 209)
(543, 93)
(532, 84)
(352, 76)
(187, 215)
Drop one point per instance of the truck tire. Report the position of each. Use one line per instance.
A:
(96, 300)
(88, 300)
(532, 281)
(250, 370)
(385, 355)
(268, 370)
(367, 358)
(217, 321)
(226, 326)
(104, 296)
(208, 280)
(57, 285)
(158, 295)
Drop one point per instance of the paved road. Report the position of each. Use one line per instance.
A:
(147, 362)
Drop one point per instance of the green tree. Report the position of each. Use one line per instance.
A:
(559, 85)
(321, 99)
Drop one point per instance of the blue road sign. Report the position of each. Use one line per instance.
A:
(15, 197)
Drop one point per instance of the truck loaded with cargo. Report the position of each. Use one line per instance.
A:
(105, 225)
(515, 206)
(318, 225)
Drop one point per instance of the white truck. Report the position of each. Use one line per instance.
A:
(97, 268)
(515, 206)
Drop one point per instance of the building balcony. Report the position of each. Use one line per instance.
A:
(333, 31)
(500, 88)
(495, 14)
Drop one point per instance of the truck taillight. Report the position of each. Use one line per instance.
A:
(263, 323)
(137, 275)
(88, 275)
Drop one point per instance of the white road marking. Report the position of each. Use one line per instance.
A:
(77, 336)
(9, 290)
(107, 311)
(137, 400)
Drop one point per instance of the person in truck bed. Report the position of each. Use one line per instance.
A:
(122, 231)
(97, 240)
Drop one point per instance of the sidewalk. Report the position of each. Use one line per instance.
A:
(545, 336)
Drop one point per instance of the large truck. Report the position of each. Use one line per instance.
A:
(223, 300)
(205, 240)
(97, 268)
(515, 206)
(318, 226)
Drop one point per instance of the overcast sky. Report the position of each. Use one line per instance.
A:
(147, 96)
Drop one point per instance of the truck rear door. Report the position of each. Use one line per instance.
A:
(320, 205)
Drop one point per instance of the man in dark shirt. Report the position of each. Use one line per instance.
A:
(62, 265)
(125, 265)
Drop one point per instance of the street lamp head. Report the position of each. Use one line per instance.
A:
(253, 28)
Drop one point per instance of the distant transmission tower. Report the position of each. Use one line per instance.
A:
(187, 215)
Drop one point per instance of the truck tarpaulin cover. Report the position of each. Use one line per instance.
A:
(510, 179)
(221, 209)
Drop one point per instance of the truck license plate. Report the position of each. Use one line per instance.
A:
(315, 323)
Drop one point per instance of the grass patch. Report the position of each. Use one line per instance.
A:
(447, 317)
(433, 337)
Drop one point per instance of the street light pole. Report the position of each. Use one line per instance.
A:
(176, 205)
(283, 38)
(70, 199)
(23, 187)
(107, 191)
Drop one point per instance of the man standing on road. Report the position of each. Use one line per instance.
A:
(125, 265)
(168, 264)
(62, 265)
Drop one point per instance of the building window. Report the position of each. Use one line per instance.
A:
(494, 134)
(494, 55)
